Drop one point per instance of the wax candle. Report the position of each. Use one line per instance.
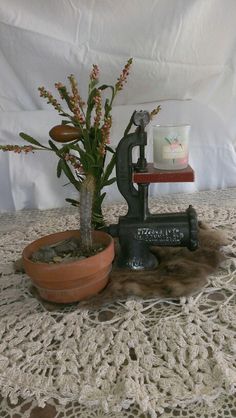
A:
(170, 146)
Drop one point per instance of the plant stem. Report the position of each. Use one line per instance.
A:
(86, 201)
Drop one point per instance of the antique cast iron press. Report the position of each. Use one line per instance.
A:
(138, 229)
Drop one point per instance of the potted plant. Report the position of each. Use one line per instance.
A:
(83, 139)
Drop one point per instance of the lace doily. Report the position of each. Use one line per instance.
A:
(132, 358)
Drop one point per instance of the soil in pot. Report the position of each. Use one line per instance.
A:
(64, 251)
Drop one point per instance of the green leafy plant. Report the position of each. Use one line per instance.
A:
(83, 138)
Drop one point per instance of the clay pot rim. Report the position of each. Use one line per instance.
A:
(56, 265)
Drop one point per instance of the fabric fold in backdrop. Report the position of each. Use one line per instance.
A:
(184, 59)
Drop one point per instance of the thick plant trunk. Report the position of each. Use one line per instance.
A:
(86, 203)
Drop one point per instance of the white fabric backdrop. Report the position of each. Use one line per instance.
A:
(184, 59)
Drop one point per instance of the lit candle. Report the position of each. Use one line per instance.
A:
(170, 146)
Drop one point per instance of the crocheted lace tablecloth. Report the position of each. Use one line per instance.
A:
(131, 358)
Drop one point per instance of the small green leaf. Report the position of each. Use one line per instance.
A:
(31, 140)
(65, 122)
(96, 218)
(108, 170)
(87, 131)
(53, 146)
(105, 86)
(92, 84)
(59, 169)
(110, 149)
(66, 115)
(73, 202)
(168, 140)
(91, 158)
(109, 182)
(127, 129)
(69, 174)
(75, 147)
(100, 198)
(65, 95)
(107, 107)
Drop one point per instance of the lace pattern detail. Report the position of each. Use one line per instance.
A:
(132, 358)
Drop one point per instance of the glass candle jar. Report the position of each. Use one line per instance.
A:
(170, 146)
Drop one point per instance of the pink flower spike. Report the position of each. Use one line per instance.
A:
(17, 148)
(94, 75)
(59, 85)
(124, 75)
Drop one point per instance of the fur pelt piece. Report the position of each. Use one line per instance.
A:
(180, 272)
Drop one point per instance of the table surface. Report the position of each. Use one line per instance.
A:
(16, 229)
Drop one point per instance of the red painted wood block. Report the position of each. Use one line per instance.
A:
(153, 175)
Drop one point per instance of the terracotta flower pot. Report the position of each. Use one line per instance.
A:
(70, 281)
